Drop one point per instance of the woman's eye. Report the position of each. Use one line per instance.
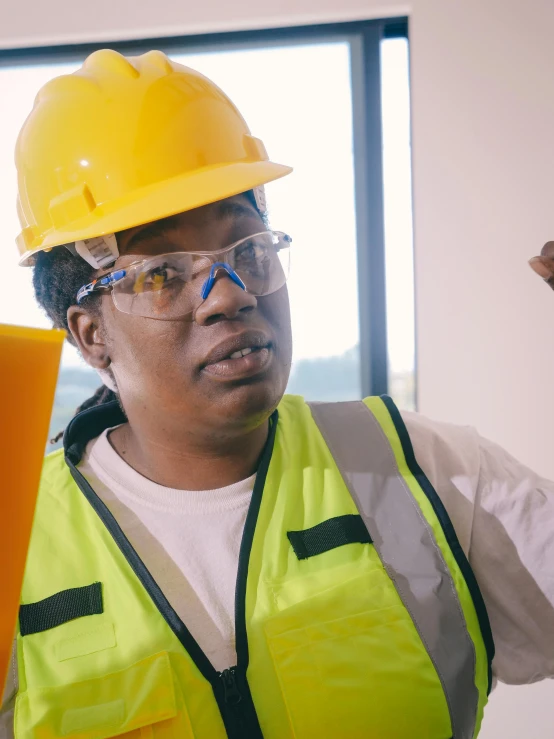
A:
(156, 278)
(165, 273)
(248, 254)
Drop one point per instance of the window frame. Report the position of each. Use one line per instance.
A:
(364, 38)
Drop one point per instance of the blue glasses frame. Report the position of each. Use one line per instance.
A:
(209, 283)
(114, 277)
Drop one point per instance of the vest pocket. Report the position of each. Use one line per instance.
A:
(95, 640)
(350, 663)
(137, 702)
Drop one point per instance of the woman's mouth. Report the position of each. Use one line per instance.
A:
(243, 363)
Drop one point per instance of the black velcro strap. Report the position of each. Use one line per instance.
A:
(60, 608)
(333, 533)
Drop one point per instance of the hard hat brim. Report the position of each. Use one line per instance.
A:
(160, 200)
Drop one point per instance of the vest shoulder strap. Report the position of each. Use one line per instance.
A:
(407, 548)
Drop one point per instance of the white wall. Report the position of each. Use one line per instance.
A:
(35, 23)
(483, 109)
(483, 143)
(483, 129)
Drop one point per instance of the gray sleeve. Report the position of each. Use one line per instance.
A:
(8, 699)
(503, 514)
(512, 555)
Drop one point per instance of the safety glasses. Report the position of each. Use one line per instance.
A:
(172, 286)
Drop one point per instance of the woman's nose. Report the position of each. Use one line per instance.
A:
(226, 300)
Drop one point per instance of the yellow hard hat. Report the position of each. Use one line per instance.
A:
(125, 141)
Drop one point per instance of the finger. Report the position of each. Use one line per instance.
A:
(544, 267)
(548, 250)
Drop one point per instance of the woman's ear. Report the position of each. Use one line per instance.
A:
(88, 335)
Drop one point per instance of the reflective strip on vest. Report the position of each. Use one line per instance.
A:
(407, 548)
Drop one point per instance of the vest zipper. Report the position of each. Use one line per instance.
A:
(236, 717)
(230, 687)
(232, 693)
(236, 706)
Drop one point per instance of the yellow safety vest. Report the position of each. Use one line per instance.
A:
(357, 614)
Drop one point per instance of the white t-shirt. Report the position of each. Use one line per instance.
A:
(188, 539)
(502, 512)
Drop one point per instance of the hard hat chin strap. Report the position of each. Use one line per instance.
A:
(100, 252)
(259, 197)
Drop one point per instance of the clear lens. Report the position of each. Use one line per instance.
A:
(168, 286)
(160, 287)
(262, 262)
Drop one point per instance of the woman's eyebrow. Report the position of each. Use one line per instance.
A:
(152, 231)
(235, 208)
(161, 228)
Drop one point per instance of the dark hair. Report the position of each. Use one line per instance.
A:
(57, 276)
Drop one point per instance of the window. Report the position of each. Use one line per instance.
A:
(397, 198)
(303, 92)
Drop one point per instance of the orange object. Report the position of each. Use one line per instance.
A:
(29, 363)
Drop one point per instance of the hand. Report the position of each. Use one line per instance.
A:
(544, 265)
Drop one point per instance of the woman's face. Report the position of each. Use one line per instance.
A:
(181, 370)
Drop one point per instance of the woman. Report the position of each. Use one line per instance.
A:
(210, 558)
